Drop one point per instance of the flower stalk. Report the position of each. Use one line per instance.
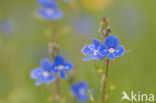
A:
(51, 72)
(53, 46)
(108, 50)
(105, 30)
(54, 51)
(105, 81)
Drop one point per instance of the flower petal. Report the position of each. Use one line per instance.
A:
(103, 50)
(111, 41)
(62, 74)
(111, 56)
(45, 63)
(53, 68)
(119, 51)
(99, 56)
(37, 73)
(88, 50)
(47, 3)
(90, 57)
(83, 98)
(68, 66)
(57, 15)
(96, 43)
(59, 60)
(38, 82)
(54, 14)
(50, 78)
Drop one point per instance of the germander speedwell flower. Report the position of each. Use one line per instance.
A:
(92, 51)
(80, 90)
(48, 3)
(43, 73)
(111, 47)
(49, 13)
(50, 10)
(61, 66)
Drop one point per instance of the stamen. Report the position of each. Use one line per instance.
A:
(60, 67)
(45, 74)
(117, 50)
(111, 50)
(95, 52)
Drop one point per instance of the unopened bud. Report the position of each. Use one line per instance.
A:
(105, 19)
(52, 46)
(108, 29)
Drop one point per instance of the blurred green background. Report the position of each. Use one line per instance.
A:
(133, 21)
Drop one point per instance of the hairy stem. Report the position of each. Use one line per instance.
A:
(53, 31)
(53, 47)
(57, 90)
(54, 51)
(105, 81)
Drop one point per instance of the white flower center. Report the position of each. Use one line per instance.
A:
(82, 91)
(60, 67)
(45, 74)
(111, 50)
(95, 52)
(49, 11)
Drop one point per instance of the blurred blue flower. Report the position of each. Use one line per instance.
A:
(111, 47)
(61, 66)
(49, 13)
(92, 51)
(84, 24)
(7, 27)
(48, 3)
(43, 73)
(80, 90)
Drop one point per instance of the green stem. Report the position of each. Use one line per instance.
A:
(57, 89)
(54, 52)
(53, 45)
(105, 82)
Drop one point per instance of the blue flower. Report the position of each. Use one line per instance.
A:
(80, 90)
(92, 51)
(43, 73)
(49, 13)
(7, 27)
(111, 47)
(48, 3)
(61, 66)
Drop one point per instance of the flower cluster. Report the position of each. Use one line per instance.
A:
(46, 73)
(80, 91)
(110, 48)
(50, 10)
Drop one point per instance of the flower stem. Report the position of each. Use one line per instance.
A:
(57, 90)
(105, 81)
(53, 46)
(53, 31)
(54, 51)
